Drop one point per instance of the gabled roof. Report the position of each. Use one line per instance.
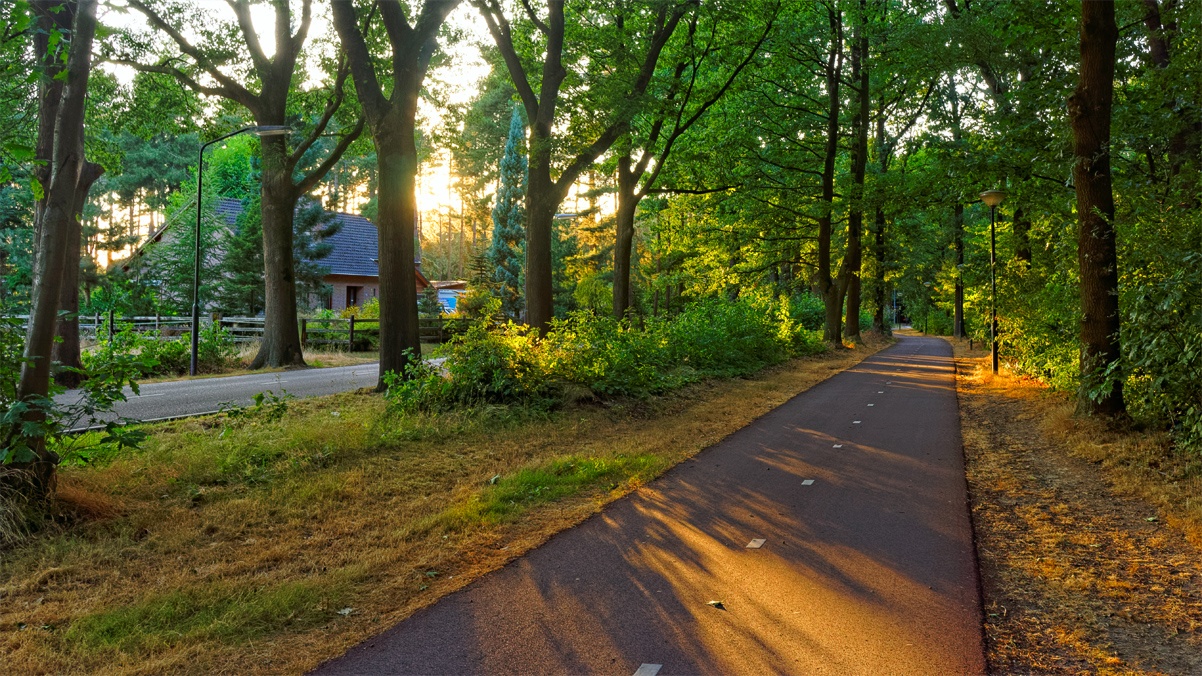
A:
(355, 247)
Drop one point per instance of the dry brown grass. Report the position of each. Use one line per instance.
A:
(238, 545)
(1087, 537)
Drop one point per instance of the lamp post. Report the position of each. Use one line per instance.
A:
(992, 198)
(260, 131)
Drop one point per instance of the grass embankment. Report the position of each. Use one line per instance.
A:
(1089, 539)
(272, 542)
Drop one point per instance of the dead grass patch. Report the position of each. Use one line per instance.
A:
(1087, 537)
(269, 546)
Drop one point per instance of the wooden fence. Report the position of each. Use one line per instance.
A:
(353, 334)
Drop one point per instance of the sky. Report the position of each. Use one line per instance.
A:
(461, 75)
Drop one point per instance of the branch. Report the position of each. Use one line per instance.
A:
(180, 75)
(498, 26)
(363, 69)
(335, 102)
(308, 182)
(242, 11)
(230, 88)
(534, 18)
(682, 128)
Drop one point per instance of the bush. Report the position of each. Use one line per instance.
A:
(154, 355)
(610, 358)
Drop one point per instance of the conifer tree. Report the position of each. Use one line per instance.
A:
(508, 217)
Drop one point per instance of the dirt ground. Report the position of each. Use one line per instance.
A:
(1090, 558)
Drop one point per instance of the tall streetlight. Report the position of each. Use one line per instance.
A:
(992, 198)
(260, 131)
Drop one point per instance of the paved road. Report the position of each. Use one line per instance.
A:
(206, 395)
(869, 569)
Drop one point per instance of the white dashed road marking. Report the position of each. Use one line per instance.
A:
(756, 543)
(648, 669)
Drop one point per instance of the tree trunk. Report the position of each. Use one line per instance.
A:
(542, 200)
(628, 202)
(66, 350)
(1022, 236)
(879, 325)
(827, 287)
(1089, 112)
(50, 251)
(853, 259)
(281, 344)
(400, 337)
(958, 244)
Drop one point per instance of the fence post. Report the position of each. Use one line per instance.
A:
(350, 342)
(110, 324)
(304, 331)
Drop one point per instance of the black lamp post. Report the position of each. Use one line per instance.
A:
(992, 198)
(260, 131)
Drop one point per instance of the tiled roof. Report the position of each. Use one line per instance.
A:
(355, 245)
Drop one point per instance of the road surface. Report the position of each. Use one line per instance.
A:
(178, 398)
(856, 489)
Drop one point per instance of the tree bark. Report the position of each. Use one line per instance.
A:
(828, 288)
(853, 258)
(958, 244)
(1089, 110)
(281, 344)
(50, 254)
(392, 120)
(66, 349)
(623, 249)
(1022, 236)
(400, 337)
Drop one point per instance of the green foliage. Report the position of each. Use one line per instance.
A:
(24, 423)
(509, 496)
(428, 305)
(153, 354)
(1163, 349)
(508, 217)
(611, 358)
(218, 611)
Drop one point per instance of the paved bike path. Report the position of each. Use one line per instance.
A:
(856, 487)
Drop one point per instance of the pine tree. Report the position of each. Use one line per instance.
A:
(508, 217)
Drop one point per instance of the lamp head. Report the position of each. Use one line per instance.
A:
(270, 130)
(992, 198)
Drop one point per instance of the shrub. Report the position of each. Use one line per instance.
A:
(611, 358)
(154, 355)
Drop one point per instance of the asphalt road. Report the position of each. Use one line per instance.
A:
(867, 565)
(156, 401)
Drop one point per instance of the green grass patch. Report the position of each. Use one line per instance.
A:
(508, 497)
(221, 612)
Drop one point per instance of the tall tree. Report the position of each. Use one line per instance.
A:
(281, 185)
(699, 80)
(55, 219)
(853, 257)
(828, 286)
(633, 56)
(1089, 113)
(509, 233)
(392, 120)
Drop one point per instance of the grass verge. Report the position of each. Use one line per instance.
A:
(1087, 537)
(269, 543)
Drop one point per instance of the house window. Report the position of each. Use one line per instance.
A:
(352, 295)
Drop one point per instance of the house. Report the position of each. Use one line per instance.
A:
(449, 292)
(352, 265)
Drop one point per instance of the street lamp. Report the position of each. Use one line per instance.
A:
(992, 198)
(260, 131)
